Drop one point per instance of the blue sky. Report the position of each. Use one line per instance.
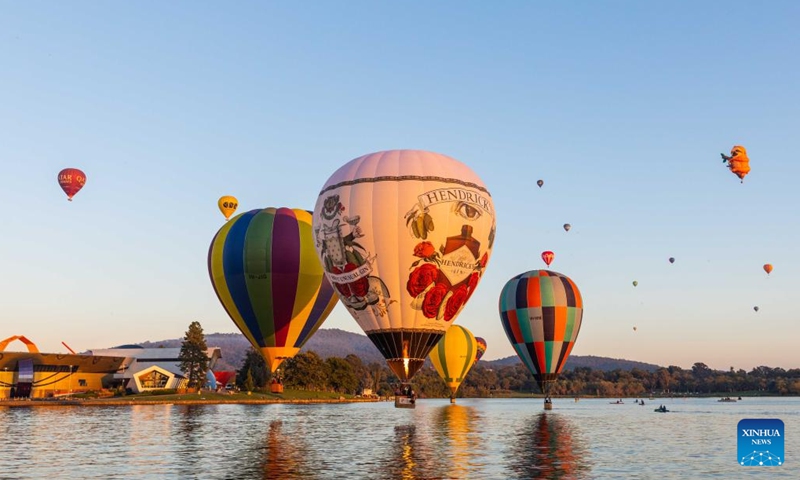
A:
(622, 108)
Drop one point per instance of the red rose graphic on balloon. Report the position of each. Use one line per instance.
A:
(455, 302)
(420, 278)
(433, 300)
(424, 250)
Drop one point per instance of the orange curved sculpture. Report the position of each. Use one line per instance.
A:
(31, 346)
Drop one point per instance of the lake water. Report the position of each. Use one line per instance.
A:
(476, 438)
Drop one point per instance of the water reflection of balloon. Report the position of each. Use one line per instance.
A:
(286, 455)
(404, 235)
(227, 205)
(481, 348)
(541, 312)
(548, 257)
(454, 356)
(71, 181)
(547, 446)
(457, 424)
(265, 272)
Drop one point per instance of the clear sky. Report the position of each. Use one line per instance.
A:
(622, 108)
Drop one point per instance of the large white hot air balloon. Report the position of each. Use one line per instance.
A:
(404, 236)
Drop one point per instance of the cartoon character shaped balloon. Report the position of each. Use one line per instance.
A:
(404, 236)
(227, 205)
(454, 356)
(738, 162)
(548, 257)
(266, 274)
(541, 312)
(481, 348)
(71, 181)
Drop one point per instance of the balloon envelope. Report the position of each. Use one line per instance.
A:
(671, 259)
(540, 183)
(541, 312)
(755, 308)
(454, 355)
(481, 348)
(768, 268)
(227, 205)
(266, 274)
(71, 181)
(404, 236)
(567, 226)
(548, 257)
(635, 283)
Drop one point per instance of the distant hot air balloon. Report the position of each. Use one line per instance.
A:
(71, 181)
(541, 312)
(635, 283)
(548, 257)
(453, 357)
(266, 274)
(634, 329)
(227, 205)
(755, 308)
(540, 183)
(671, 259)
(567, 226)
(738, 162)
(768, 268)
(481, 348)
(404, 236)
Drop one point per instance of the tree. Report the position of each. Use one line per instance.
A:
(254, 365)
(341, 376)
(306, 371)
(193, 356)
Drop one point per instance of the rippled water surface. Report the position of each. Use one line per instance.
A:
(477, 438)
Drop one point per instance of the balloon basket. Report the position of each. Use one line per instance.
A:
(276, 388)
(548, 406)
(401, 401)
(452, 399)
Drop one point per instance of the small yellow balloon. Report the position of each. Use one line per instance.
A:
(227, 205)
(453, 356)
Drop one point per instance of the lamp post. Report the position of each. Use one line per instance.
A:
(70, 379)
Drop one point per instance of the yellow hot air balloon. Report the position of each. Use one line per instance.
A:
(453, 357)
(227, 205)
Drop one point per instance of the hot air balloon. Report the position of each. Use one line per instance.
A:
(671, 259)
(548, 257)
(635, 283)
(265, 272)
(755, 308)
(227, 205)
(540, 183)
(567, 226)
(541, 312)
(453, 356)
(738, 162)
(481, 348)
(634, 329)
(404, 235)
(71, 181)
(768, 268)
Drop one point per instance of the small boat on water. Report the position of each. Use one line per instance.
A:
(661, 410)
(727, 399)
(618, 402)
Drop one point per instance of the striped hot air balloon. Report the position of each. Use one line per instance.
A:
(541, 313)
(481, 348)
(265, 270)
(454, 356)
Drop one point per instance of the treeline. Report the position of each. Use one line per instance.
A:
(349, 375)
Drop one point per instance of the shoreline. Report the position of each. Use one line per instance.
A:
(181, 401)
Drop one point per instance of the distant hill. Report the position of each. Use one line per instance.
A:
(333, 342)
(574, 361)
